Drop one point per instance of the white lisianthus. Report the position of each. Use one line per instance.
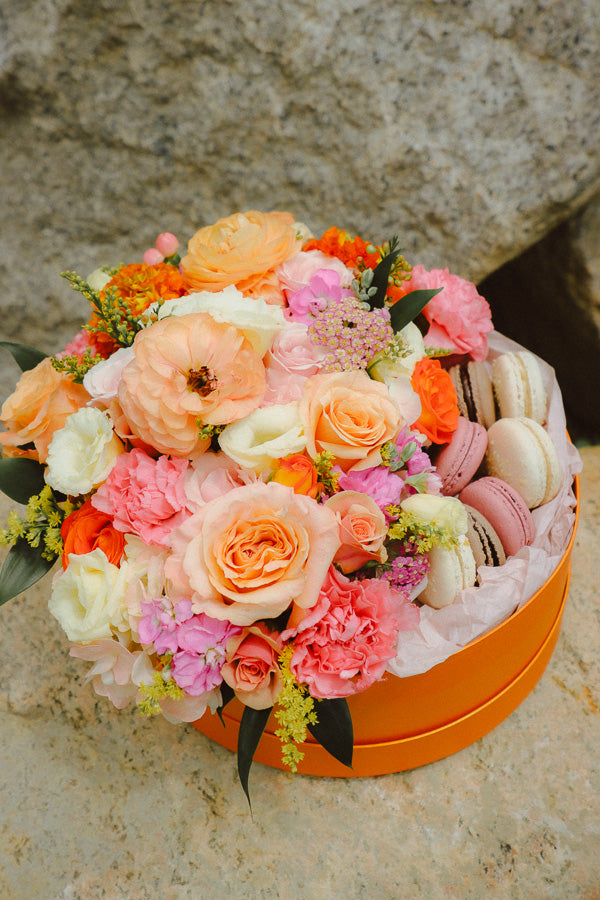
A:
(102, 380)
(87, 598)
(82, 454)
(264, 436)
(405, 397)
(257, 320)
(98, 279)
(447, 513)
(386, 366)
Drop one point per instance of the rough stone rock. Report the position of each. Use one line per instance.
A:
(549, 299)
(470, 128)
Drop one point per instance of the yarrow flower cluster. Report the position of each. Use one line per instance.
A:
(221, 460)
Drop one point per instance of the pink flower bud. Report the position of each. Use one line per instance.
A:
(152, 257)
(167, 243)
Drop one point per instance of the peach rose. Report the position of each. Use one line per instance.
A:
(349, 415)
(189, 369)
(242, 249)
(40, 405)
(252, 552)
(251, 667)
(362, 530)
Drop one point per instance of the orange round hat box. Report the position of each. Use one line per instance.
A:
(402, 723)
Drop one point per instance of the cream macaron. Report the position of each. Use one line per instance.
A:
(521, 452)
(519, 387)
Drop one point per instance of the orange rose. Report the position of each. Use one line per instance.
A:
(439, 406)
(297, 472)
(252, 667)
(87, 528)
(242, 249)
(41, 403)
(349, 415)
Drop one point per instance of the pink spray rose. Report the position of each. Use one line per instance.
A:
(459, 318)
(295, 273)
(363, 530)
(145, 496)
(292, 359)
(252, 667)
(344, 643)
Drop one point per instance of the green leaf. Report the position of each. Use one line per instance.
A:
(333, 730)
(408, 307)
(21, 478)
(23, 566)
(26, 357)
(252, 725)
(227, 694)
(381, 274)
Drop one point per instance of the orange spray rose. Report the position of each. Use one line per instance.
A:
(298, 472)
(439, 414)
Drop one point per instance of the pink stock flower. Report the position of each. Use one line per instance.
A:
(312, 299)
(145, 496)
(382, 485)
(160, 623)
(111, 673)
(196, 666)
(344, 643)
(459, 318)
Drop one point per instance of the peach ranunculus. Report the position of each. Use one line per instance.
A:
(299, 473)
(349, 415)
(252, 553)
(251, 666)
(363, 530)
(189, 369)
(439, 406)
(242, 249)
(39, 406)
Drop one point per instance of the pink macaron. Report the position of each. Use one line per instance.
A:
(504, 508)
(459, 460)
(522, 453)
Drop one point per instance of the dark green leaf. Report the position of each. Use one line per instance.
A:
(22, 567)
(26, 357)
(333, 729)
(252, 725)
(20, 479)
(381, 274)
(227, 694)
(408, 307)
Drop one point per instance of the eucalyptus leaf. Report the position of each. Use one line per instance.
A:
(252, 725)
(23, 566)
(381, 274)
(21, 478)
(25, 356)
(333, 729)
(408, 307)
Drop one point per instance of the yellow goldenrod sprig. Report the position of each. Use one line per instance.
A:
(163, 687)
(75, 365)
(295, 712)
(117, 319)
(41, 524)
(328, 479)
(421, 535)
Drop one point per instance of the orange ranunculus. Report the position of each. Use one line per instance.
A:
(242, 249)
(87, 528)
(439, 406)
(138, 286)
(353, 252)
(40, 404)
(298, 472)
(349, 415)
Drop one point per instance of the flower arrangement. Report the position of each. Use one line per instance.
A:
(232, 462)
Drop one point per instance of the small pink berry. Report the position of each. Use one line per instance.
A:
(153, 256)
(167, 243)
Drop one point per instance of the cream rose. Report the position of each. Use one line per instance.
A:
(258, 321)
(82, 453)
(253, 552)
(447, 513)
(349, 415)
(264, 436)
(88, 597)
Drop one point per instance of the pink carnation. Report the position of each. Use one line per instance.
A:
(145, 496)
(344, 643)
(459, 318)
